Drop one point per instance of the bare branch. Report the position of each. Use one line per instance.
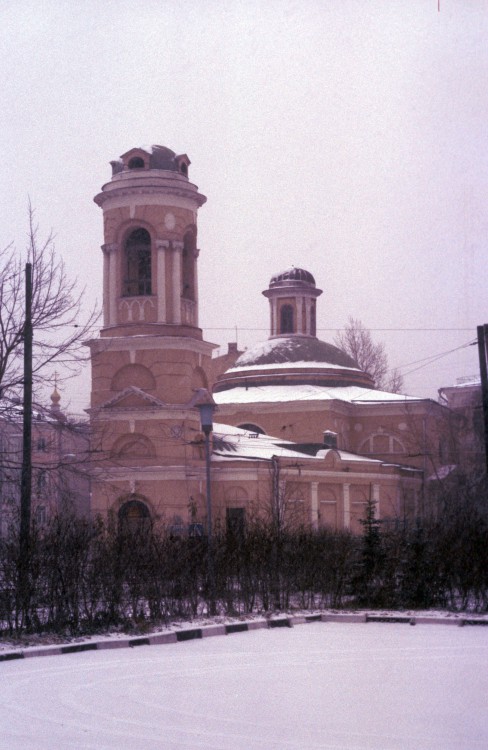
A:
(371, 357)
(59, 321)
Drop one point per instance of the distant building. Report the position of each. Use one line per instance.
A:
(465, 401)
(300, 430)
(60, 456)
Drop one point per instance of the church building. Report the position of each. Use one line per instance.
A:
(299, 429)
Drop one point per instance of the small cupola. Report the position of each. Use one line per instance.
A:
(292, 295)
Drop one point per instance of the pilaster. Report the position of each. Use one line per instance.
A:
(177, 251)
(347, 505)
(110, 283)
(161, 247)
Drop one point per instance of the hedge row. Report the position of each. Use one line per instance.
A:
(85, 576)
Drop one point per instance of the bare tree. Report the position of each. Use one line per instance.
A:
(356, 340)
(59, 322)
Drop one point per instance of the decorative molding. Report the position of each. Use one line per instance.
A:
(147, 342)
(164, 190)
(137, 305)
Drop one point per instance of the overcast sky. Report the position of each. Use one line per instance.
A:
(348, 137)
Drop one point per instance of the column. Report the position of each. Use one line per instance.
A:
(315, 505)
(299, 311)
(106, 271)
(177, 250)
(376, 500)
(161, 247)
(195, 272)
(308, 327)
(110, 284)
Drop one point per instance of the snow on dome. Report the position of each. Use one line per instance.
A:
(294, 349)
(292, 274)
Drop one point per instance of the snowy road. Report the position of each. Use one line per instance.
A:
(328, 686)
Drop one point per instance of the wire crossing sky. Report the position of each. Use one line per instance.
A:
(347, 138)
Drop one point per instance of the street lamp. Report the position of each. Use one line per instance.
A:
(205, 404)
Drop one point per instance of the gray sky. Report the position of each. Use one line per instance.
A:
(345, 136)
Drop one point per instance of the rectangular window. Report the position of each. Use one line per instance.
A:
(41, 443)
(236, 521)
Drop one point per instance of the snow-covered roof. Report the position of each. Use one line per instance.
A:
(466, 382)
(231, 442)
(286, 393)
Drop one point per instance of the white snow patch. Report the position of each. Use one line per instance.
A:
(316, 686)
(293, 365)
(293, 392)
(234, 442)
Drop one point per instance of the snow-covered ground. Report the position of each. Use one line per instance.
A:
(320, 685)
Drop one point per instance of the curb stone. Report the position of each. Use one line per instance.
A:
(206, 631)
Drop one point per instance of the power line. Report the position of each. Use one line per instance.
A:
(332, 330)
(433, 358)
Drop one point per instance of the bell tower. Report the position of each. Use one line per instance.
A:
(150, 245)
(150, 360)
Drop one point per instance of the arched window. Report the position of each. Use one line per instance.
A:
(137, 271)
(286, 319)
(188, 263)
(136, 163)
(382, 443)
(137, 375)
(134, 446)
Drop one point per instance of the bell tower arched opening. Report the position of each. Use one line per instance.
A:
(137, 281)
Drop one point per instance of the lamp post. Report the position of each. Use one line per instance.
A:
(206, 406)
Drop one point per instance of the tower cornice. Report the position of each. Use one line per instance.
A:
(164, 188)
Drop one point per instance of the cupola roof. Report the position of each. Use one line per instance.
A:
(151, 157)
(293, 276)
(295, 349)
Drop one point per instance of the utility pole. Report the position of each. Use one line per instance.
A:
(482, 338)
(26, 478)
